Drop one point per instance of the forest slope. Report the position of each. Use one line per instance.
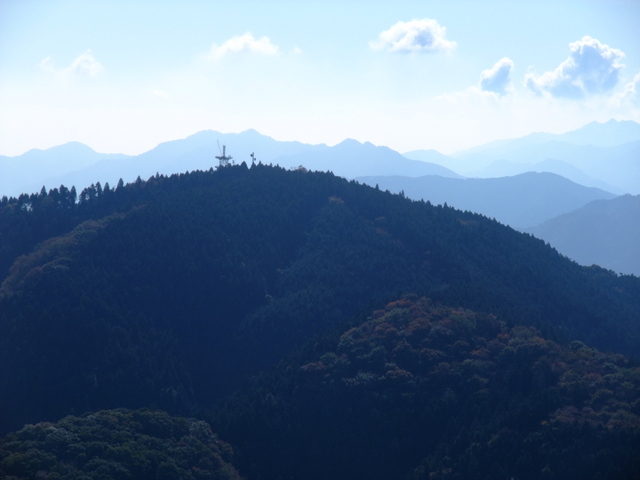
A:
(420, 391)
(173, 291)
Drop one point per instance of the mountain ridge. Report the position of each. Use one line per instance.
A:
(198, 152)
(606, 152)
(541, 196)
(603, 232)
(304, 249)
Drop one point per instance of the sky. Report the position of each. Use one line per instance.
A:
(123, 76)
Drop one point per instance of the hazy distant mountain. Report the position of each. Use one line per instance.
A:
(606, 154)
(431, 156)
(198, 151)
(605, 163)
(351, 159)
(603, 232)
(520, 201)
(28, 172)
(506, 168)
(608, 134)
(618, 165)
(77, 164)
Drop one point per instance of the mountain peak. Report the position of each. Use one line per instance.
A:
(606, 134)
(252, 132)
(349, 142)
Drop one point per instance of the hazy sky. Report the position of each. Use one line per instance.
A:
(123, 76)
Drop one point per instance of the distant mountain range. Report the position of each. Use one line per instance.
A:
(603, 155)
(349, 158)
(520, 201)
(618, 166)
(27, 173)
(597, 162)
(76, 164)
(506, 168)
(603, 232)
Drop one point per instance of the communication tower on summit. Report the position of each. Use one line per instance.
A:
(223, 157)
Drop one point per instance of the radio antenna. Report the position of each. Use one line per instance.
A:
(223, 157)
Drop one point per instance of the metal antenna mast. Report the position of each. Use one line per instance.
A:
(223, 157)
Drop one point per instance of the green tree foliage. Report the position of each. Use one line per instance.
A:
(174, 290)
(117, 445)
(425, 391)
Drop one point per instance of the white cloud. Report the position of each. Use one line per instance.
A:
(629, 95)
(591, 68)
(422, 36)
(498, 78)
(243, 43)
(84, 65)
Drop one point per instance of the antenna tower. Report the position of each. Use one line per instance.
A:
(223, 157)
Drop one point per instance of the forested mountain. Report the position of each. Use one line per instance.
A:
(521, 201)
(422, 391)
(173, 292)
(603, 232)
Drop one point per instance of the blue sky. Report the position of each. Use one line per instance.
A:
(123, 76)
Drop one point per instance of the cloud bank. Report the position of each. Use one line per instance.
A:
(592, 68)
(498, 78)
(421, 36)
(84, 65)
(243, 43)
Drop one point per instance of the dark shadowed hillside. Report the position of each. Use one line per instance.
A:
(421, 391)
(172, 292)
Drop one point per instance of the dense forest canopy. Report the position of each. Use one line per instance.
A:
(173, 292)
(119, 445)
(420, 390)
